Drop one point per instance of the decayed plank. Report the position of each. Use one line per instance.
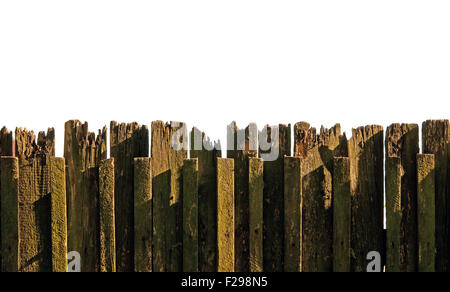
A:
(58, 214)
(83, 152)
(169, 150)
(293, 214)
(107, 216)
(242, 144)
(394, 235)
(127, 141)
(256, 191)
(402, 141)
(317, 151)
(273, 229)
(435, 139)
(225, 215)
(341, 215)
(190, 215)
(9, 193)
(35, 248)
(367, 189)
(426, 212)
(206, 151)
(143, 215)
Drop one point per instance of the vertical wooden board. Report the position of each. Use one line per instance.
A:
(225, 215)
(190, 215)
(394, 234)
(207, 152)
(402, 141)
(83, 152)
(273, 230)
(35, 249)
(167, 159)
(256, 191)
(9, 170)
(317, 152)
(143, 215)
(107, 216)
(426, 212)
(341, 215)
(367, 189)
(242, 144)
(435, 138)
(58, 214)
(127, 141)
(293, 214)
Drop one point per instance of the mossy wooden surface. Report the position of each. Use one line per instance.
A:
(256, 191)
(190, 215)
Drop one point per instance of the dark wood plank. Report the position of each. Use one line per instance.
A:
(190, 215)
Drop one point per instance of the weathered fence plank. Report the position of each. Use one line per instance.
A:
(435, 138)
(143, 215)
(426, 178)
(256, 191)
(225, 215)
(9, 170)
(107, 216)
(367, 189)
(292, 214)
(402, 141)
(242, 144)
(190, 215)
(127, 141)
(169, 150)
(207, 153)
(279, 146)
(58, 214)
(83, 152)
(341, 215)
(317, 152)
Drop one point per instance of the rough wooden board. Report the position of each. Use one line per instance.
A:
(256, 191)
(341, 215)
(394, 235)
(293, 214)
(143, 215)
(435, 137)
(107, 239)
(58, 214)
(225, 215)
(9, 193)
(34, 201)
(274, 201)
(190, 215)
(206, 153)
(317, 152)
(127, 141)
(402, 140)
(241, 150)
(426, 212)
(168, 161)
(83, 152)
(367, 189)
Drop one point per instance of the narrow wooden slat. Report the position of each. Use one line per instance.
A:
(341, 215)
(256, 191)
(9, 193)
(293, 214)
(143, 215)
(107, 216)
(190, 215)
(426, 191)
(225, 215)
(58, 214)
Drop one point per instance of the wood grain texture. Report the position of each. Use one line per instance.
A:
(190, 215)
(127, 141)
(256, 192)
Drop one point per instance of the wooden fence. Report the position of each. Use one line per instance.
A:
(318, 209)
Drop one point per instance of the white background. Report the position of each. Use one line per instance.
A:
(210, 62)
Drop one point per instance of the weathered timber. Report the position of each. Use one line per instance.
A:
(256, 191)
(127, 141)
(190, 215)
